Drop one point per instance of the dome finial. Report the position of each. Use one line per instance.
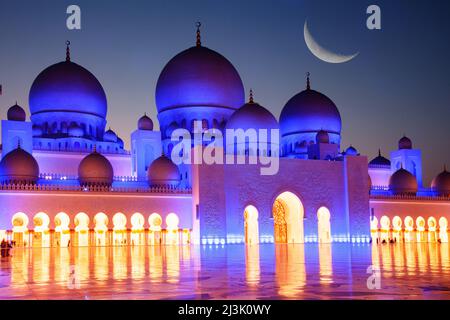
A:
(250, 100)
(18, 144)
(379, 152)
(68, 51)
(95, 149)
(199, 39)
(308, 82)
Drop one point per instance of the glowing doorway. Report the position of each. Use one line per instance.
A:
(443, 225)
(62, 230)
(119, 229)
(41, 236)
(137, 229)
(288, 215)
(172, 236)
(251, 225)
(82, 229)
(101, 229)
(20, 229)
(154, 233)
(324, 226)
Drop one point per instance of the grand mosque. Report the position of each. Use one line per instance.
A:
(66, 179)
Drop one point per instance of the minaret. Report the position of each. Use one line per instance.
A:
(199, 38)
(67, 51)
(308, 82)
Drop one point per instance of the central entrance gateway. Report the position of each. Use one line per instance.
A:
(288, 212)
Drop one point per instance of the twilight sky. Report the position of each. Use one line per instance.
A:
(399, 83)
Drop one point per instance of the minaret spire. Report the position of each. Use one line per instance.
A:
(68, 51)
(199, 37)
(308, 82)
(250, 99)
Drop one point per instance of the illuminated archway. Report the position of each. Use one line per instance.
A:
(420, 229)
(409, 229)
(20, 229)
(154, 232)
(119, 229)
(251, 229)
(374, 229)
(172, 236)
(385, 224)
(137, 229)
(101, 228)
(288, 215)
(396, 228)
(62, 230)
(323, 225)
(443, 225)
(41, 236)
(81, 229)
(432, 228)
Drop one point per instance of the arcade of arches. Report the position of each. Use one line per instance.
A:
(388, 230)
(40, 234)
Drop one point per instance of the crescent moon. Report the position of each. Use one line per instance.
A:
(322, 53)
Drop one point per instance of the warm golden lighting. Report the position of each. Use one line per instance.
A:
(324, 226)
(443, 235)
(172, 236)
(288, 215)
(251, 229)
(385, 223)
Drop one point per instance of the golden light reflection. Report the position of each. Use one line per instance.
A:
(290, 270)
(252, 268)
(155, 263)
(325, 263)
(172, 255)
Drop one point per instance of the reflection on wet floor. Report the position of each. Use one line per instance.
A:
(310, 271)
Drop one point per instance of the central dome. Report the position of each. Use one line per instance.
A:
(67, 87)
(199, 77)
(310, 111)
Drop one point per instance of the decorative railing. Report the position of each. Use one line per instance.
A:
(61, 176)
(380, 188)
(409, 197)
(379, 166)
(75, 188)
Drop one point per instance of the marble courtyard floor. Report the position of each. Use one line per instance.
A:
(267, 271)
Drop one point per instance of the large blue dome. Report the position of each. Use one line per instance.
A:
(310, 111)
(199, 77)
(67, 87)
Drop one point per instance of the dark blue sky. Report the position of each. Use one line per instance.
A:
(399, 84)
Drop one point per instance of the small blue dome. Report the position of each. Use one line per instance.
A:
(67, 87)
(310, 111)
(380, 161)
(252, 116)
(145, 123)
(404, 143)
(351, 151)
(199, 77)
(110, 136)
(16, 113)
